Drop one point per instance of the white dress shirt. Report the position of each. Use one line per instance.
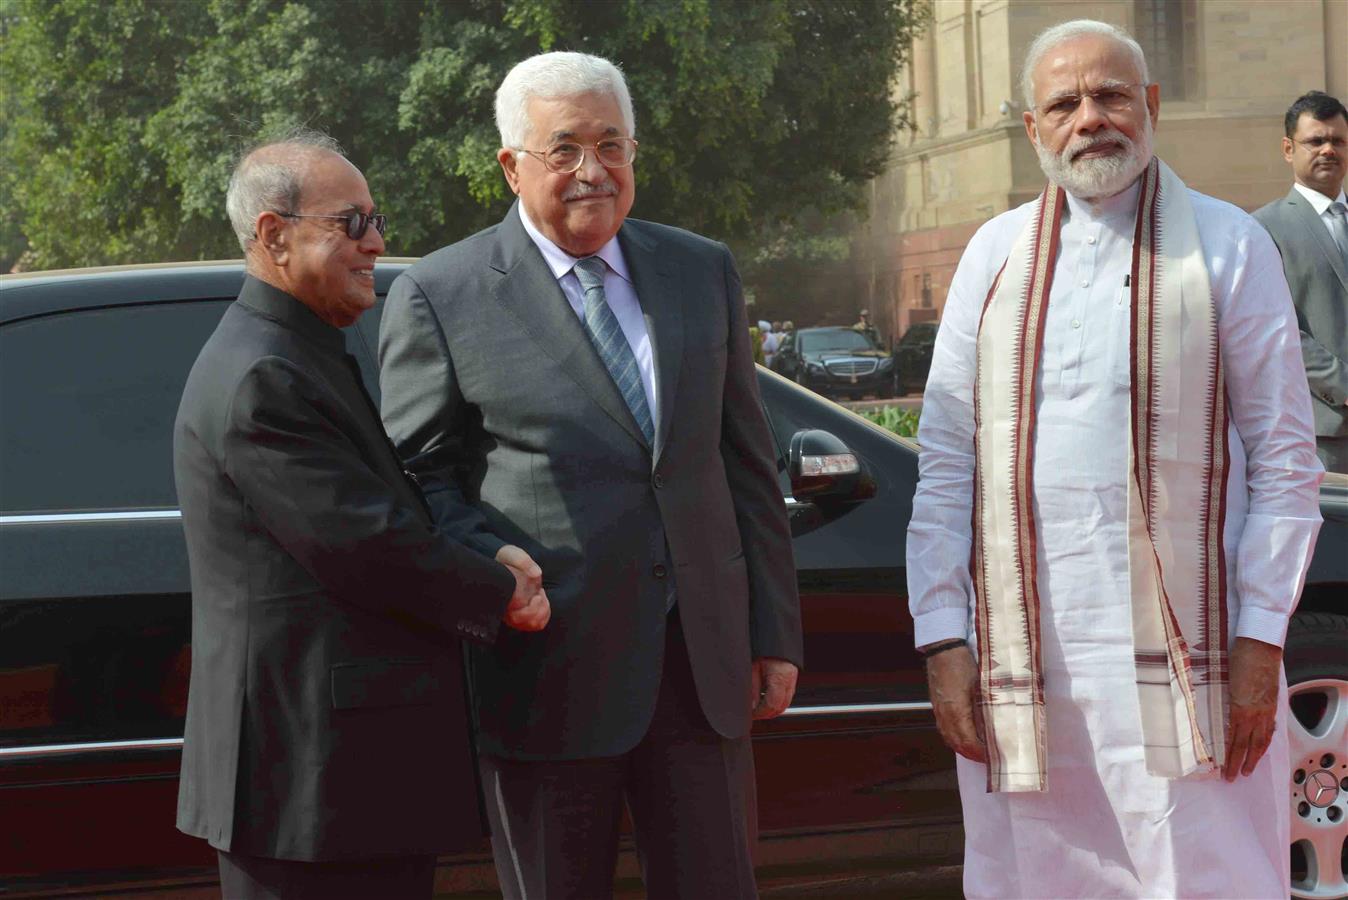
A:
(620, 293)
(1081, 440)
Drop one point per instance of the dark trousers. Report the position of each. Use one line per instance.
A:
(689, 790)
(259, 878)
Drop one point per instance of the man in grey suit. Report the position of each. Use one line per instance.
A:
(1310, 227)
(327, 750)
(582, 384)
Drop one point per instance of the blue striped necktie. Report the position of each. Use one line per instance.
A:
(611, 344)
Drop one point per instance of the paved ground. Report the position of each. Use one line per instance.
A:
(869, 881)
(939, 883)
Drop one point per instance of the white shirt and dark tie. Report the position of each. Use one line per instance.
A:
(1333, 213)
(618, 290)
(621, 296)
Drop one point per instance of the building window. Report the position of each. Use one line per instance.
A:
(1168, 33)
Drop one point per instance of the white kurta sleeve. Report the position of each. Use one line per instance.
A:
(940, 531)
(1271, 411)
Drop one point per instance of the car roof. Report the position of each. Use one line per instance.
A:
(826, 328)
(29, 294)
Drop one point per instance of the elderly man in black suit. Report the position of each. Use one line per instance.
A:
(582, 384)
(1310, 227)
(327, 749)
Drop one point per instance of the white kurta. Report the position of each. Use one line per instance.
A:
(1105, 827)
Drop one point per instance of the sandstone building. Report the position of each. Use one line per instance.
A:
(1228, 70)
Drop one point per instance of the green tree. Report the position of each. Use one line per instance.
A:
(81, 79)
(123, 117)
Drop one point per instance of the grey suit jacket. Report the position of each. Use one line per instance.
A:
(326, 714)
(1318, 277)
(495, 397)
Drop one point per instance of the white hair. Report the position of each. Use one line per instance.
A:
(269, 176)
(551, 75)
(1066, 31)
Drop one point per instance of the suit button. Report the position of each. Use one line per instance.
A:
(659, 480)
(659, 570)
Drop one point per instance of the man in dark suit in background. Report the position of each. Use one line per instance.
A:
(1310, 227)
(326, 750)
(582, 384)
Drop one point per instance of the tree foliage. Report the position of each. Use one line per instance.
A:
(122, 118)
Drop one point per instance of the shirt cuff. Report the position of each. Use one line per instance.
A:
(940, 625)
(1262, 625)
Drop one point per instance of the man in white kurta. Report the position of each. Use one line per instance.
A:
(1104, 826)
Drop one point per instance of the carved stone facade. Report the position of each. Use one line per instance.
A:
(1228, 70)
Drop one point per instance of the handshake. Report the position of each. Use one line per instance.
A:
(529, 609)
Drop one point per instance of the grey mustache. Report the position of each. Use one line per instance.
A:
(581, 191)
(1114, 137)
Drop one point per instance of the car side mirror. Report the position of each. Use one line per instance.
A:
(822, 466)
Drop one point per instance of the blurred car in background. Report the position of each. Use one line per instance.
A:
(836, 362)
(912, 358)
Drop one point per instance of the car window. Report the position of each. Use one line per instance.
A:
(842, 339)
(88, 399)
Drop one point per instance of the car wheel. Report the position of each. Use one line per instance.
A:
(1317, 729)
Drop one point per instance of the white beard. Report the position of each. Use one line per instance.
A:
(1100, 176)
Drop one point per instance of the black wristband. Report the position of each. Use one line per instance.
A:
(942, 647)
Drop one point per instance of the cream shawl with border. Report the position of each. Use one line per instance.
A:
(1176, 493)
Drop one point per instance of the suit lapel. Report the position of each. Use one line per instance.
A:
(530, 292)
(1304, 213)
(653, 276)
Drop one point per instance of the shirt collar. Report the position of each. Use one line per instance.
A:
(560, 262)
(1120, 207)
(1318, 201)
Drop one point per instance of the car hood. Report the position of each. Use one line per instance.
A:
(826, 355)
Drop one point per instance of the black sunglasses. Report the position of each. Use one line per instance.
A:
(356, 222)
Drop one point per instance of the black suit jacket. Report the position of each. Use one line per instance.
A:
(326, 714)
(494, 394)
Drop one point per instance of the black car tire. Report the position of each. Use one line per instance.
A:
(1317, 688)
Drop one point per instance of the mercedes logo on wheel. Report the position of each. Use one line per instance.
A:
(1321, 789)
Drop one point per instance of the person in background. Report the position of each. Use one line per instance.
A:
(1310, 228)
(772, 340)
(863, 325)
(1115, 514)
